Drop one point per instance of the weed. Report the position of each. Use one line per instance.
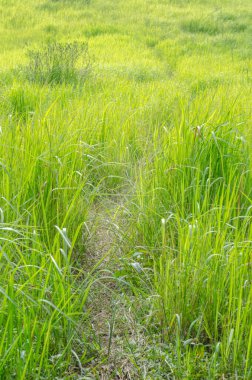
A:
(57, 63)
(201, 26)
(21, 102)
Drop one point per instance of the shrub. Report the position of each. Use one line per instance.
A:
(57, 63)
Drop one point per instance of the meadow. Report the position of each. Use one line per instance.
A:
(125, 189)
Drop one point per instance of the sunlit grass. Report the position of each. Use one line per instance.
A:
(161, 127)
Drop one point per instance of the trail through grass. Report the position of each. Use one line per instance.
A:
(125, 192)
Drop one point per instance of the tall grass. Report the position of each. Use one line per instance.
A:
(56, 63)
(160, 128)
(194, 202)
(43, 289)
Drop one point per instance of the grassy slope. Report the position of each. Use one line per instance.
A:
(163, 117)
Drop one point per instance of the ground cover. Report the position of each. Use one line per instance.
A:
(125, 192)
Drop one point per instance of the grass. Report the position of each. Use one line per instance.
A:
(125, 207)
(56, 63)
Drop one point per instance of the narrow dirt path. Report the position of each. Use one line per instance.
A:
(111, 315)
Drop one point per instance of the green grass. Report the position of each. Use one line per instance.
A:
(154, 119)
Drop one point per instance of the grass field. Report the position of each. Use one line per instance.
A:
(126, 189)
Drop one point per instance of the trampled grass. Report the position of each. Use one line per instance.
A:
(152, 119)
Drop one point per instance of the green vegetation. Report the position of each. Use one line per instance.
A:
(56, 63)
(126, 189)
